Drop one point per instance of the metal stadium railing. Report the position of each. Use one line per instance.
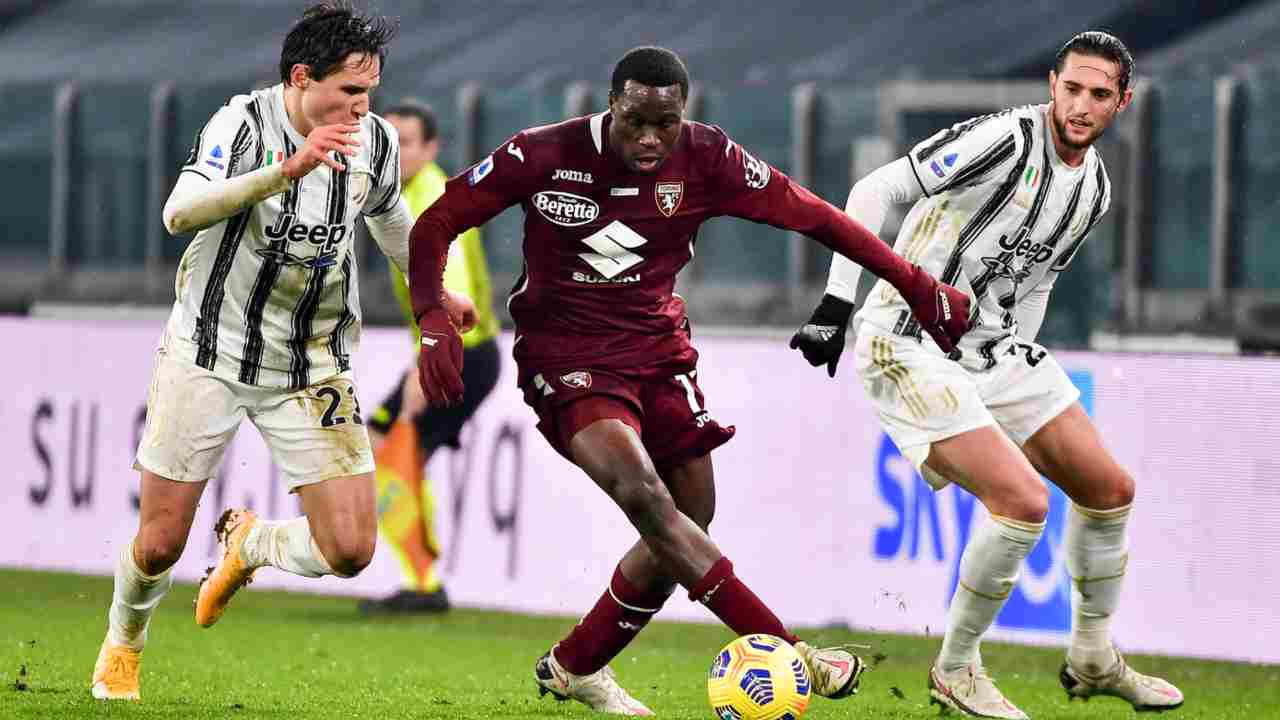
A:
(1187, 245)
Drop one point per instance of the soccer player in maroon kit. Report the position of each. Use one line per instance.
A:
(612, 206)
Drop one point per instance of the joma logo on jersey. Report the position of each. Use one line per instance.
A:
(573, 176)
(566, 209)
(325, 237)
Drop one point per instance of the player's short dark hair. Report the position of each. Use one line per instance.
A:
(1099, 44)
(328, 33)
(416, 109)
(652, 66)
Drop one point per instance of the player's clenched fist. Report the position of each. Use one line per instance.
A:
(440, 359)
(941, 310)
(462, 310)
(821, 340)
(321, 142)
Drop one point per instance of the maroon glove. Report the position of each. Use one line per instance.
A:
(941, 310)
(440, 359)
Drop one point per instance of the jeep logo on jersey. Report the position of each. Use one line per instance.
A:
(669, 195)
(1021, 246)
(573, 176)
(325, 237)
(284, 257)
(1001, 267)
(566, 209)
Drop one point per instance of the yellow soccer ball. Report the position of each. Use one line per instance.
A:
(758, 677)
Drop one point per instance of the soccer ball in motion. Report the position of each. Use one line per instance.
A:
(758, 677)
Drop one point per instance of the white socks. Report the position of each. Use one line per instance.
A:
(286, 545)
(989, 570)
(135, 598)
(1097, 544)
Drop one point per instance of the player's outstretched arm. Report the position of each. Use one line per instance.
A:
(759, 192)
(198, 202)
(440, 356)
(469, 200)
(942, 310)
(821, 340)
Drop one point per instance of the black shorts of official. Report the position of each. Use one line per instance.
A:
(441, 426)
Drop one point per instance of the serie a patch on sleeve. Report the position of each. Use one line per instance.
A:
(481, 169)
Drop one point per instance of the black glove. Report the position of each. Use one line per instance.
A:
(821, 340)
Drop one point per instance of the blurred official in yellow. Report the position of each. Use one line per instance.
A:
(404, 431)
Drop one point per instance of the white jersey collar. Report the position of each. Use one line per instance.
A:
(597, 131)
(295, 137)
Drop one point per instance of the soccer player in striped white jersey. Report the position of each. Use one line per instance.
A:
(264, 325)
(1001, 206)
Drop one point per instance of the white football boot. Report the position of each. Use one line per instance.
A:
(834, 671)
(971, 691)
(1143, 692)
(599, 691)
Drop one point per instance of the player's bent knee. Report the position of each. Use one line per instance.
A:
(1121, 490)
(158, 549)
(350, 555)
(1025, 501)
(1031, 504)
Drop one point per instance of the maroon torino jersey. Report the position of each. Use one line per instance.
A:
(603, 245)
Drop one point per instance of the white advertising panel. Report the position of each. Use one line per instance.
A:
(816, 508)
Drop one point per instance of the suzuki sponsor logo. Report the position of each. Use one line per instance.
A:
(566, 209)
(593, 279)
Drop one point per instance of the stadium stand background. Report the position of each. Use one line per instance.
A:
(94, 124)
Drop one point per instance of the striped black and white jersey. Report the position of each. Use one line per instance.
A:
(268, 296)
(1000, 216)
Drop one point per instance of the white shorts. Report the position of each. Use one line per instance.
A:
(314, 434)
(922, 397)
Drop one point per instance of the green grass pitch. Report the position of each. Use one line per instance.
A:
(281, 655)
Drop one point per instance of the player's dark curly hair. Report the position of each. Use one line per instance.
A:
(328, 33)
(652, 66)
(1103, 45)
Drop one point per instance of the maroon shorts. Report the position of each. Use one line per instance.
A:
(665, 408)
